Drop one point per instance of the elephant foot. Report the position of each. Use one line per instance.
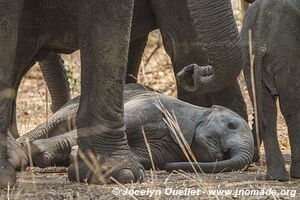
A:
(97, 169)
(277, 174)
(41, 156)
(7, 174)
(295, 171)
(51, 152)
(16, 155)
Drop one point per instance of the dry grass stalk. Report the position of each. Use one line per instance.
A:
(152, 171)
(252, 74)
(122, 186)
(172, 123)
(90, 165)
(92, 162)
(47, 102)
(28, 145)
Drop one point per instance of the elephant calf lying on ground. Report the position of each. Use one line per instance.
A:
(214, 134)
(275, 26)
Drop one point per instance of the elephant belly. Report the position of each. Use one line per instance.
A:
(46, 25)
(63, 26)
(60, 21)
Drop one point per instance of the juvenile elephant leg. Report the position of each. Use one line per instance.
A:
(54, 151)
(268, 132)
(232, 98)
(289, 96)
(136, 50)
(55, 75)
(293, 123)
(17, 157)
(257, 144)
(104, 42)
(10, 13)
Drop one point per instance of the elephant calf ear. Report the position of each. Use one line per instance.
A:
(182, 124)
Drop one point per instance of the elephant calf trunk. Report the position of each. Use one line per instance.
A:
(240, 158)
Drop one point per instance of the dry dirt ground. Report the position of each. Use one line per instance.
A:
(156, 71)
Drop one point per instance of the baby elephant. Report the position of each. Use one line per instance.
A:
(275, 27)
(220, 139)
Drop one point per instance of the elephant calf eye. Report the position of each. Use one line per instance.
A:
(231, 126)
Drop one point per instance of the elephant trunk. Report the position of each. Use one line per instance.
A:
(218, 35)
(52, 67)
(239, 159)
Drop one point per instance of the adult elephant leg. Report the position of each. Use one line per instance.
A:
(232, 98)
(13, 128)
(180, 41)
(10, 13)
(104, 42)
(136, 50)
(203, 100)
(192, 34)
(55, 75)
(13, 122)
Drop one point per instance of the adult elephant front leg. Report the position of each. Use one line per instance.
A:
(10, 12)
(104, 42)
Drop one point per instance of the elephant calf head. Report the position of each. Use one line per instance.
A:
(222, 141)
(220, 135)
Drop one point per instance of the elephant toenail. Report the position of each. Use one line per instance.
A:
(141, 176)
(125, 176)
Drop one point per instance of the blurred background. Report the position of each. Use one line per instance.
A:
(33, 103)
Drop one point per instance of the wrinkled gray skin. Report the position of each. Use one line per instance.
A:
(55, 75)
(214, 134)
(275, 26)
(190, 31)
